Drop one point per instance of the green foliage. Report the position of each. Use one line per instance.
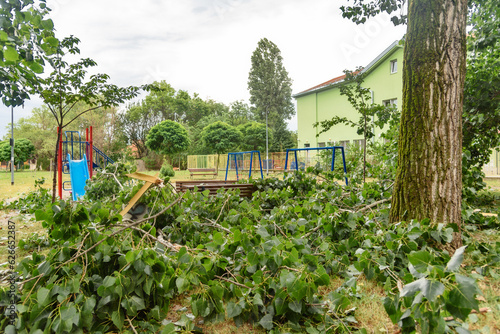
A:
(264, 260)
(166, 171)
(481, 116)
(221, 137)
(253, 136)
(135, 123)
(167, 138)
(23, 150)
(27, 35)
(282, 138)
(110, 181)
(269, 85)
(364, 9)
(32, 201)
(438, 289)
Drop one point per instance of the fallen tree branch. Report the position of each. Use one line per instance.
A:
(125, 227)
(374, 204)
(216, 225)
(162, 241)
(233, 282)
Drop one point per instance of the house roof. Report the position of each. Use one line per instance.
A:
(337, 80)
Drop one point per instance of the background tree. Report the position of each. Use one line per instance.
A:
(239, 113)
(66, 86)
(220, 137)
(135, 123)
(481, 117)
(24, 150)
(429, 173)
(253, 136)
(168, 137)
(282, 138)
(270, 86)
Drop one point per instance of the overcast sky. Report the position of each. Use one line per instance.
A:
(204, 46)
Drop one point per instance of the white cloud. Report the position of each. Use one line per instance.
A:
(205, 46)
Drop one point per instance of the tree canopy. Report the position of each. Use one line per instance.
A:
(269, 85)
(23, 150)
(221, 137)
(26, 37)
(167, 137)
(253, 136)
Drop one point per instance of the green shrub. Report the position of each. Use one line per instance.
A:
(166, 170)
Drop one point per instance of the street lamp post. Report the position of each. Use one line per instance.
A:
(12, 146)
(267, 148)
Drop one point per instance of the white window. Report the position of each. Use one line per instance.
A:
(390, 102)
(359, 142)
(394, 66)
(321, 144)
(307, 145)
(344, 143)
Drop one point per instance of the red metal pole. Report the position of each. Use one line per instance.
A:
(91, 149)
(59, 163)
(87, 153)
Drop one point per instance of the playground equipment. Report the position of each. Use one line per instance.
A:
(74, 148)
(296, 163)
(242, 163)
(79, 174)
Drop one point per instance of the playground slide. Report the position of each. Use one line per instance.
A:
(79, 174)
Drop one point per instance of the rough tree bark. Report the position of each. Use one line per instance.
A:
(429, 176)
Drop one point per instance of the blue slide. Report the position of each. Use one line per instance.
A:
(79, 174)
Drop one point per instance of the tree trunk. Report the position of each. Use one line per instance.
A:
(429, 176)
(55, 165)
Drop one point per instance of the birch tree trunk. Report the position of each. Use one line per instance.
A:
(429, 176)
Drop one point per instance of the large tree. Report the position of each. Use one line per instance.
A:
(429, 175)
(269, 85)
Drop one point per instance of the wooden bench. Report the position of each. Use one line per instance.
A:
(246, 189)
(203, 171)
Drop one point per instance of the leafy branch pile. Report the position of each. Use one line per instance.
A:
(267, 260)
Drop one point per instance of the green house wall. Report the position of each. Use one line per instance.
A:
(324, 103)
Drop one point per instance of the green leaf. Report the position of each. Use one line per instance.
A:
(118, 318)
(432, 289)
(109, 281)
(468, 289)
(456, 260)
(130, 256)
(420, 260)
(35, 67)
(48, 24)
(233, 310)
(295, 306)
(54, 42)
(137, 302)
(218, 238)
(10, 54)
(169, 329)
(411, 288)
(267, 322)
(43, 296)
